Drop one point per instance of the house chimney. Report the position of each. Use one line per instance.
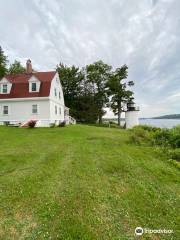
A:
(28, 66)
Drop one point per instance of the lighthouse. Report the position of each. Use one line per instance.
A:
(131, 114)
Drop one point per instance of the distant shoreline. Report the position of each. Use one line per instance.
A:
(156, 118)
(170, 117)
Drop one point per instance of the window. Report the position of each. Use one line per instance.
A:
(56, 110)
(33, 87)
(59, 95)
(5, 110)
(4, 88)
(34, 109)
(55, 92)
(59, 111)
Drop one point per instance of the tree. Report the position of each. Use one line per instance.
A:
(88, 90)
(117, 90)
(3, 63)
(16, 68)
(86, 107)
(97, 75)
(70, 79)
(78, 94)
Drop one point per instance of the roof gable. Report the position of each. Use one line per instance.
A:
(20, 85)
(4, 80)
(33, 79)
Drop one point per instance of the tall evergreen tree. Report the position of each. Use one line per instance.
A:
(16, 68)
(98, 74)
(71, 78)
(3, 63)
(78, 94)
(118, 92)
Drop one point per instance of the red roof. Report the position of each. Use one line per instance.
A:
(20, 85)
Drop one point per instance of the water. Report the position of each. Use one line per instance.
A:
(162, 123)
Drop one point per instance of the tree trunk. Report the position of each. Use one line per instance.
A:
(100, 119)
(119, 117)
(119, 113)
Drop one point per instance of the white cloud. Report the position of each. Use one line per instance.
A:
(144, 34)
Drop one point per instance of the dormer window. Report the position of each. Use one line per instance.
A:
(4, 88)
(33, 87)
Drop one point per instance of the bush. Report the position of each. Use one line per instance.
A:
(32, 123)
(148, 128)
(112, 122)
(157, 136)
(175, 137)
(162, 137)
(52, 125)
(167, 139)
(174, 154)
(62, 124)
(140, 136)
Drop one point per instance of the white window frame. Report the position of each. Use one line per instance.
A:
(32, 87)
(34, 80)
(4, 84)
(33, 109)
(59, 110)
(5, 114)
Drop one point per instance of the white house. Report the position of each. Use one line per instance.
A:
(32, 96)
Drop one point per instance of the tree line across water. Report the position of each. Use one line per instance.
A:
(88, 90)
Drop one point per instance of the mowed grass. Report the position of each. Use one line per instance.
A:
(83, 182)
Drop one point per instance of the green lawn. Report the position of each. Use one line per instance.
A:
(83, 182)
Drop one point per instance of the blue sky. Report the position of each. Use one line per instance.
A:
(144, 34)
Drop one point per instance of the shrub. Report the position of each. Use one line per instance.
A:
(162, 137)
(140, 136)
(62, 124)
(168, 137)
(32, 123)
(157, 136)
(112, 122)
(175, 137)
(148, 128)
(174, 154)
(52, 125)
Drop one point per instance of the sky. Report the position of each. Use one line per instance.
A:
(143, 34)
